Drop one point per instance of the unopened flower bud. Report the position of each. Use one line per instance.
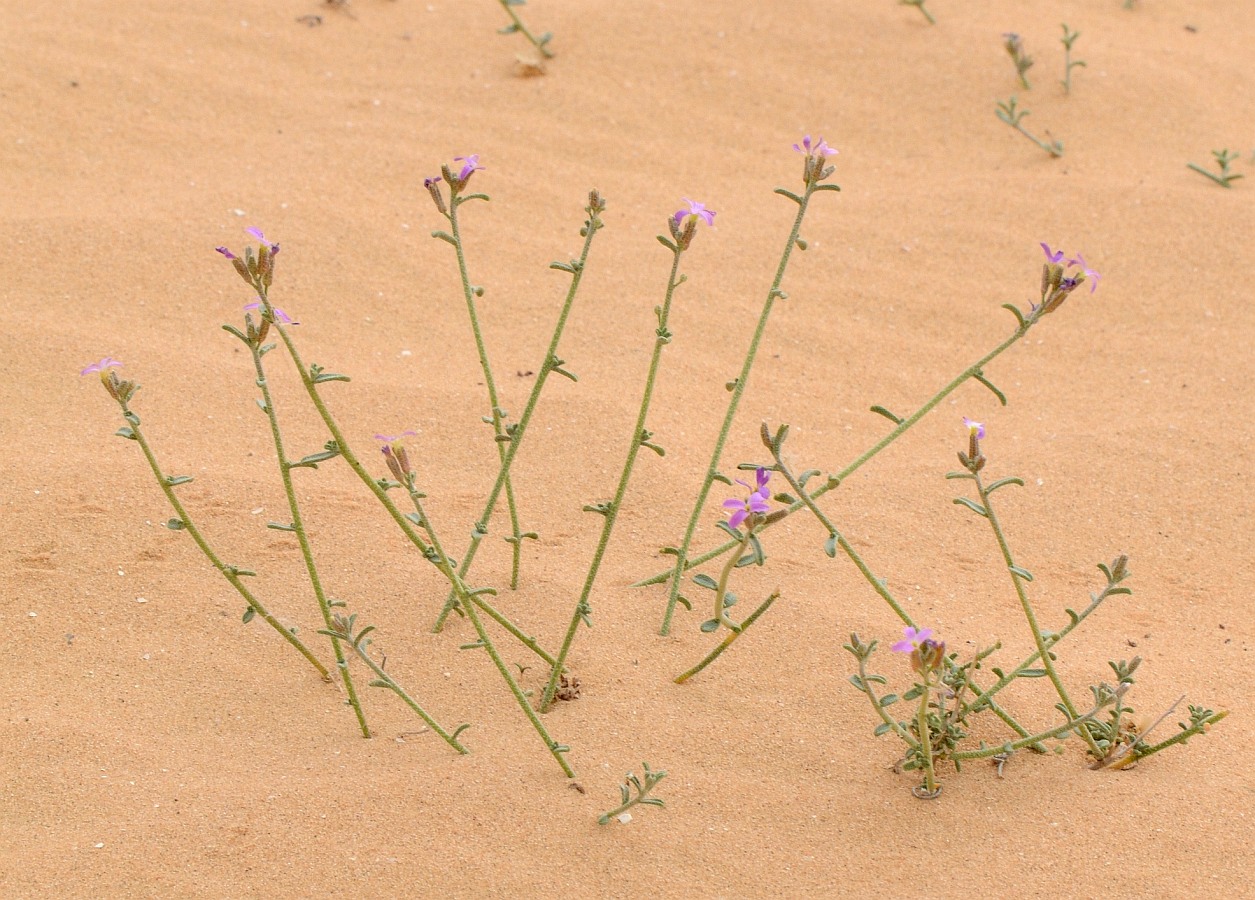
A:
(433, 188)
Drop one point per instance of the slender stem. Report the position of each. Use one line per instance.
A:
(1033, 657)
(879, 707)
(541, 44)
(381, 494)
(1027, 606)
(552, 363)
(230, 573)
(970, 372)
(1073, 724)
(498, 425)
(729, 639)
(298, 527)
(436, 554)
(877, 585)
(738, 390)
(387, 681)
(639, 436)
(925, 738)
(1182, 736)
(721, 590)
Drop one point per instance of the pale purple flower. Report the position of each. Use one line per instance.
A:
(756, 503)
(393, 438)
(470, 164)
(819, 148)
(975, 429)
(225, 252)
(912, 639)
(1089, 273)
(280, 315)
(256, 232)
(101, 367)
(695, 209)
(1054, 256)
(429, 182)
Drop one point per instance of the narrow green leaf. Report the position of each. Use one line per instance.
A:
(882, 728)
(830, 546)
(178, 525)
(1003, 482)
(444, 236)
(792, 196)
(126, 432)
(329, 376)
(989, 384)
(972, 505)
(888, 699)
(248, 615)
(176, 480)
(881, 411)
(710, 625)
(1031, 673)
(1022, 572)
(281, 526)
(706, 581)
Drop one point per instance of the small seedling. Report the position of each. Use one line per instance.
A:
(642, 797)
(919, 4)
(1010, 113)
(1023, 62)
(1223, 158)
(1068, 39)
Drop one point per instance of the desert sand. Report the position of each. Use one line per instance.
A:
(154, 746)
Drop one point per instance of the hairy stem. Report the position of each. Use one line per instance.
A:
(230, 573)
(298, 527)
(583, 608)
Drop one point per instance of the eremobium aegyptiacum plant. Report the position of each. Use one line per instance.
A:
(941, 693)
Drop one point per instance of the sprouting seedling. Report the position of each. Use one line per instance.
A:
(1010, 113)
(642, 798)
(1223, 158)
(1023, 62)
(1068, 39)
(516, 25)
(919, 4)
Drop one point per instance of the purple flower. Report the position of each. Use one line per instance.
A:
(280, 315)
(1089, 273)
(975, 429)
(256, 232)
(756, 503)
(1052, 257)
(429, 182)
(912, 639)
(695, 209)
(225, 252)
(820, 147)
(470, 164)
(101, 367)
(393, 438)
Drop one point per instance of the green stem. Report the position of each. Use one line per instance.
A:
(970, 372)
(1027, 606)
(1183, 736)
(298, 527)
(498, 427)
(436, 554)
(879, 707)
(387, 681)
(583, 608)
(551, 363)
(738, 390)
(381, 494)
(729, 639)
(541, 44)
(228, 572)
(1032, 658)
(925, 739)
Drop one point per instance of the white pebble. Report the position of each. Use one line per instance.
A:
(32, 614)
(141, 599)
(624, 818)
